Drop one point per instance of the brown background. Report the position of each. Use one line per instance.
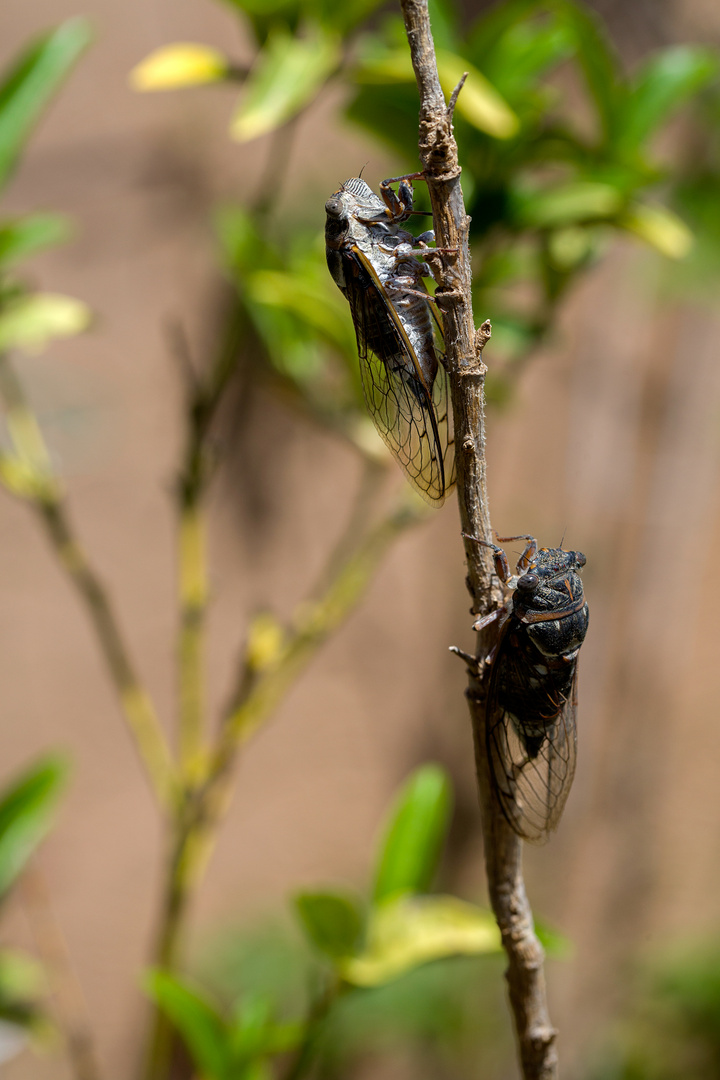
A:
(613, 440)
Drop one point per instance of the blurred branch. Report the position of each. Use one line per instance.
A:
(503, 849)
(29, 474)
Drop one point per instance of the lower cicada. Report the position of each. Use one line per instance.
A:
(379, 267)
(532, 685)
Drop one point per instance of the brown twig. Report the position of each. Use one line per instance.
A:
(503, 849)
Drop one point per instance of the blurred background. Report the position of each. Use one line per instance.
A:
(592, 179)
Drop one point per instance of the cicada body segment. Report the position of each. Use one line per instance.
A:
(375, 264)
(532, 691)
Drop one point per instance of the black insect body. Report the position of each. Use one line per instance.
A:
(377, 265)
(532, 690)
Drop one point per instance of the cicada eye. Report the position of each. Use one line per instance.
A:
(334, 207)
(528, 583)
(580, 558)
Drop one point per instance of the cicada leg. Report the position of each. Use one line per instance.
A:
(529, 551)
(400, 205)
(502, 568)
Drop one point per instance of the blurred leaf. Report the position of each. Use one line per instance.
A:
(30, 322)
(26, 235)
(255, 1034)
(32, 83)
(478, 102)
(414, 836)
(332, 922)
(556, 945)
(412, 930)
(597, 59)
(286, 76)
(181, 64)
(663, 83)
(660, 228)
(444, 23)
(315, 305)
(565, 204)
(201, 1025)
(26, 810)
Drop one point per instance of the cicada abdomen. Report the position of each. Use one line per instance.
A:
(375, 263)
(532, 687)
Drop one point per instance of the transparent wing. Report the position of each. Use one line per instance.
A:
(531, 771)
(413, 420)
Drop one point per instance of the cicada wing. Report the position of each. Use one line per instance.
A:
(443, 408)
(402, 406)
(531, 773)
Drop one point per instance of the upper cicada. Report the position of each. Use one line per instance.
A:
(379, 268)
(532, 688)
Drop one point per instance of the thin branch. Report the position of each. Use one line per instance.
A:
(29, 474)
(503, 849)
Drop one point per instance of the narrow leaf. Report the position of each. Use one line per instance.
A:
(410, 931)
(32, 83)
(26, 810)
(332, 922)
(197, 1019)
(479, 102)
(565, 204)
(287, 75)
(660, 228)
(24, 236)
(598, 61)
(414, 836)
(664, 83)
(30, 322)
(181, 64)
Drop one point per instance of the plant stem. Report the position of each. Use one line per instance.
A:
(41, 488)
(503, 849)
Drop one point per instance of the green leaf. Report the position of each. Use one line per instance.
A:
(287, 75)
(597, 59)
(412, 930)
(181, 64)
(32, 83)
(332, 922)
(660, 228)
(26, 810)
(254, 1034)
(565, 204)
(663, 83)
(478, 102)
(198, 1020)
(26, 235)
(414, 836)
(30, 322)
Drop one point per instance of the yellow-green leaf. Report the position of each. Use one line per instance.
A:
(178, 65)
(660, 228)
(478, 102)
(30, 322)
(412, 930)
(286, 76)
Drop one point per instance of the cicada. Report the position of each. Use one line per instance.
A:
(532, 685)
(379, 268)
